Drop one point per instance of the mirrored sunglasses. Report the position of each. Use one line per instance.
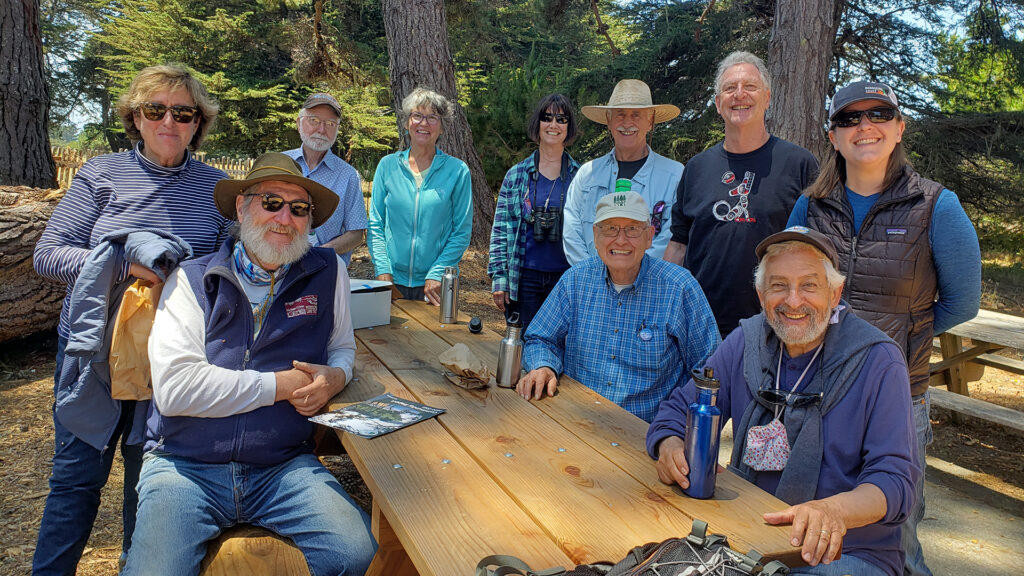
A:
(548, 117)
(794, 399)
(181, 114)
(612, 231)
(273, 203)
(874, 115)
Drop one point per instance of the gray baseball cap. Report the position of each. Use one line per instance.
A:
(860, 91)
(801, 234)
(322, 98)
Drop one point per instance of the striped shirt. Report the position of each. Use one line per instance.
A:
(343, 180)
(123, 191)
(633, 347)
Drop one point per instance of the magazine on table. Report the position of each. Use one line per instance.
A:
(377, 416)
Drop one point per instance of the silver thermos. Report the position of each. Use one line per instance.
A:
(510, 353)
(450, 295)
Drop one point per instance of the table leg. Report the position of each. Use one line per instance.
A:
(391, 559)
(956, 381)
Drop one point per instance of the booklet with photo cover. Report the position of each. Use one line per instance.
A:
(377, 416)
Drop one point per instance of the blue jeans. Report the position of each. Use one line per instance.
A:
(79, 474)
(846, 565)
(184, 503)
(534, 287)
(915, 565)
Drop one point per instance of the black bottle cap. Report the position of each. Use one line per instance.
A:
(475, 325)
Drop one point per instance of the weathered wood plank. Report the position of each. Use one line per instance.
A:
(391, 558)
(989, 326)
(447, 510)
(247, 549)
(1001, 362)
(961, 357)
(977, 408)
(619, 437)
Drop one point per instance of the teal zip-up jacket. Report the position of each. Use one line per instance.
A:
(414, 233)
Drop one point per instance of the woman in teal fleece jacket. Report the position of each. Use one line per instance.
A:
(421, 209)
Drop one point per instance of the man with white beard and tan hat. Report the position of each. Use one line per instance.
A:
(247, 343)
(317, 123)
(630, 115)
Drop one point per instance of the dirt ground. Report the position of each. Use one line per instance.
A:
(994, 454)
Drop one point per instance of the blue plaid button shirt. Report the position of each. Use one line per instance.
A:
(632, 347)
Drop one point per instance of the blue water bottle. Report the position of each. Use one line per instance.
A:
(702, 435)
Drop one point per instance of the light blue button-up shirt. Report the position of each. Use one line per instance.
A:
(633, 347)
(342, 179)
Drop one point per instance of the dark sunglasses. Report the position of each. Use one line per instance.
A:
(181, 114)
(273, 203)
(656, 215)
(548, 117)
(794, 399)
(875, 116)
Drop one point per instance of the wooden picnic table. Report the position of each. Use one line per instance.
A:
(989, 333)
(557, 482)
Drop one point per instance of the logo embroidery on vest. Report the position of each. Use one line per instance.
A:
(304, 306)
(896, 231)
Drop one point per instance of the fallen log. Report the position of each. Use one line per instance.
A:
(29, 303)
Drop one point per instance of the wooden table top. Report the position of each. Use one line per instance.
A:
(993, 327)
(561, 481)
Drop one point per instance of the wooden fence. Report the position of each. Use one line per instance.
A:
(69, 160)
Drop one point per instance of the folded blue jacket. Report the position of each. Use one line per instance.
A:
(84, 405)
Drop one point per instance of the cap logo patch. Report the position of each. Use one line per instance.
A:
(619, 200)
(875, 90)
(798, 229)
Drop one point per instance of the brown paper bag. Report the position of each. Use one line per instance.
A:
(129, 346)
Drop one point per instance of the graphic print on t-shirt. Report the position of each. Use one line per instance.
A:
(739, 212)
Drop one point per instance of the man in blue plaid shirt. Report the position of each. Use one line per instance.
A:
(628, 326)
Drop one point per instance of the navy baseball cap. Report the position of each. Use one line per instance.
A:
(860, 91)
(801, 234)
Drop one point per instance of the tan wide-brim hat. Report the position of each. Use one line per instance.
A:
(279, 167)
(631, 94)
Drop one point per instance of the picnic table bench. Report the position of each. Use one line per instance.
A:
(557, 482)
(989, 332)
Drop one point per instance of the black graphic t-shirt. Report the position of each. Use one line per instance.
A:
(725, 205)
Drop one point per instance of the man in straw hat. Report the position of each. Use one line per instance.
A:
(735, 194)
(246, 345)
(627, 325)
(631, 166)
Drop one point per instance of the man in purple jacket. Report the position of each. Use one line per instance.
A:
(247, 343)
(818, 399)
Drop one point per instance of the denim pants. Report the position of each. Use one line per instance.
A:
(184, 503)
(845, 565)
(79, 474)
(411, 292)
(915, 565)
(534, 287)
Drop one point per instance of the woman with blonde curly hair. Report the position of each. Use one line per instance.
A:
(157, 186)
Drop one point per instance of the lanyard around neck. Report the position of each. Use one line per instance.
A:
(778, 374)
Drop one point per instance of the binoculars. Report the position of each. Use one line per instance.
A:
(547, 224)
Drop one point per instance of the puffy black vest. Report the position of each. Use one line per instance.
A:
(890, 275)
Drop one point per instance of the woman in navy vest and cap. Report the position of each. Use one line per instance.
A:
(908, 249)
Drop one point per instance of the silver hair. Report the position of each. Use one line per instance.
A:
(834, 277)
(427, 98)
(742, 57)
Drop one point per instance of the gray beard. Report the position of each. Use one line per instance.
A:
(793, 337)
(251, 236)
(315, 144)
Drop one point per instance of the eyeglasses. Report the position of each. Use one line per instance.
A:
(794, 399)
(273, 203)
(548, 117)
(874, 115)
(432, 119)
(315, 122)
(656, 215)
(612, 231)
(181, 114)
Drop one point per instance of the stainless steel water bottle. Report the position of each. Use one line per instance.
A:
(450, 295)
(510, 353)
(702, 435)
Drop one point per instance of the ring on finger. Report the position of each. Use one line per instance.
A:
(824, 534)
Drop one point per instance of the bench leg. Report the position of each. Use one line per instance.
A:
(391, 559)
(956, 380)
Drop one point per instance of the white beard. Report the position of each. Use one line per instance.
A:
(251, 236)
(315, 142)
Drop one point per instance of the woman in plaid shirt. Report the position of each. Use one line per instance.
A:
(526, 241)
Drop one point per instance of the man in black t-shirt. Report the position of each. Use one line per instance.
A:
(736, 193)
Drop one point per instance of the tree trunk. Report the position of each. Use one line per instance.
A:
(800, 54)
(419, 55)
(24, 99)
(29, 303)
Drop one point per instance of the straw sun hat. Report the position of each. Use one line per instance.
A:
(275, 166)
(631, 94)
